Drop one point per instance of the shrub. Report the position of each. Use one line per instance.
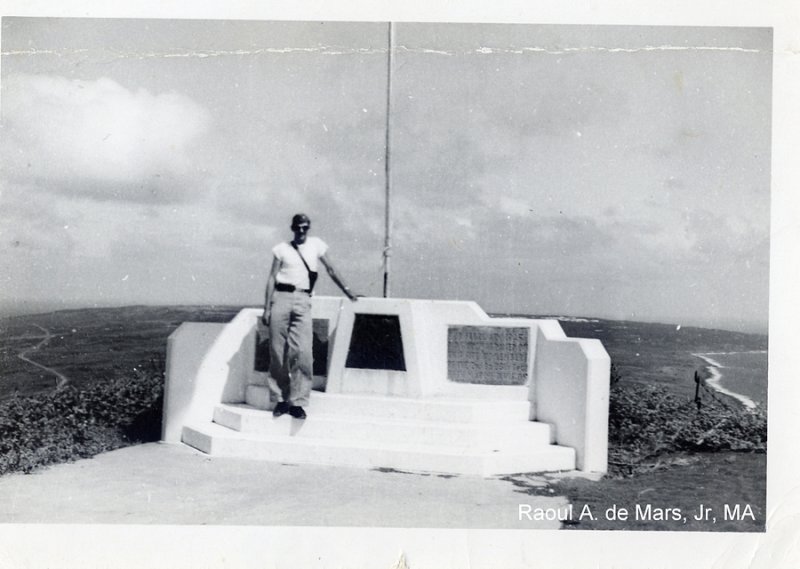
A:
(647, 422)
(73, 423)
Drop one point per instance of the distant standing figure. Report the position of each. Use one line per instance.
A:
(287, 313)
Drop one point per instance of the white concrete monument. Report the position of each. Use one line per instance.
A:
(421, 385)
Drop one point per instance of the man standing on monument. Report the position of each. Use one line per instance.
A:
(287, 313)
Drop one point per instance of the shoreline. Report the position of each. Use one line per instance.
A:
(714, 381)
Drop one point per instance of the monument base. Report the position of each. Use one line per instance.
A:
(395, 372)
(448, 433)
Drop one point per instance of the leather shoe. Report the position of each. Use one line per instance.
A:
(297, 412)
(281, 408)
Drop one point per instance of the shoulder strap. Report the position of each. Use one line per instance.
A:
(311, 274)
(294, 246)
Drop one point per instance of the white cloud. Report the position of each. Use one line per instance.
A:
(98, 138)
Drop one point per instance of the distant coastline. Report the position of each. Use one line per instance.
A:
(715, 380)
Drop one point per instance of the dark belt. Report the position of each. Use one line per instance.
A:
(290, 288)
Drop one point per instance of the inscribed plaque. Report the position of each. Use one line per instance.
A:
(487, 354)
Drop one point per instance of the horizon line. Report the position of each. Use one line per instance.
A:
(11, 309)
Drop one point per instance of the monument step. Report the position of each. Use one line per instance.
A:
(483, 392)
(331, 422)
(450, 409)
(217, 440)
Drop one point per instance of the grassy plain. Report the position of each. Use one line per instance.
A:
(91, 345)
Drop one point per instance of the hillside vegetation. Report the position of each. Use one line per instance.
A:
(72, 423)
(114, 361)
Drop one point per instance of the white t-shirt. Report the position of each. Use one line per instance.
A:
(293, 271)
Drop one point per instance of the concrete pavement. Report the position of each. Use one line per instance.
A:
(160, 483)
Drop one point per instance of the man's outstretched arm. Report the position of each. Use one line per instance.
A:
(335, 277)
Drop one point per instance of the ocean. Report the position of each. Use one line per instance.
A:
(741, 375)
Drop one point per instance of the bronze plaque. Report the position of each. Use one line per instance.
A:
(487, 354)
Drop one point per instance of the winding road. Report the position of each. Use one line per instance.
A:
(61, 379)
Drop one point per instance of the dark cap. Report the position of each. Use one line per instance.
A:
(300, 218)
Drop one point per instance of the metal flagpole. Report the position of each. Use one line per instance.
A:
(387, 243)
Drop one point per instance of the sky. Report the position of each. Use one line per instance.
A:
(607, 171)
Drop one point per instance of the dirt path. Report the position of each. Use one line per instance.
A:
(61, 379)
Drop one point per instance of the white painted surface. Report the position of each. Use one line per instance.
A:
(567, 388)
(424, 330)
(186, 348)
(571, 393)
(462, 406)
(404, 384)
(206, 364)
(221, 441)
(502, 434)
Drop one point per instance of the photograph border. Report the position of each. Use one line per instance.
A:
(85, 546)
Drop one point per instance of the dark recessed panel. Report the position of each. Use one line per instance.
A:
(376, 343)
(320, 346)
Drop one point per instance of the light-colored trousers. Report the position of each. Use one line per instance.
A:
(291, 336)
